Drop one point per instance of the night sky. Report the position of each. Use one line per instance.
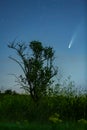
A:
(53, 22)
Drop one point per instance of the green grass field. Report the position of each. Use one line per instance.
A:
(19, 112)
(37, 126)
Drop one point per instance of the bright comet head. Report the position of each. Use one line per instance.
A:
(69, 46)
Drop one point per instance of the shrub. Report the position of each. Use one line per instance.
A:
(83, 121)
(55, 118)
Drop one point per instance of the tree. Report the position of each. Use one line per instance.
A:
(37, 66)
(8, 91)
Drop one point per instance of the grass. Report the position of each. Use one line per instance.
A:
(19, 126)
(38, 126)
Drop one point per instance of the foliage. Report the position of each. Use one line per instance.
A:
(10, 92)
(37, 66)
(23, 108)
(55, 118)
(83, 121)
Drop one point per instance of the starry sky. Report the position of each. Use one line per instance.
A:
(53, 22)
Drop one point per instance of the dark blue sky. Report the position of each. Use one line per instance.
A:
(54, 23)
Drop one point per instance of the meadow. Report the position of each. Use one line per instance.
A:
(39, 126)
(56, 112)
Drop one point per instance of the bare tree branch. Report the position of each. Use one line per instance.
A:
(18, 63)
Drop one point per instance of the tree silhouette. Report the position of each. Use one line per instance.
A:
(36, 62)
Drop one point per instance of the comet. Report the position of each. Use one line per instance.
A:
(71, 41)
(70, 44)
(73, 37)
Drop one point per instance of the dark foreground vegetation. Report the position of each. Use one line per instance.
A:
(18, 111)
(38, 126)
